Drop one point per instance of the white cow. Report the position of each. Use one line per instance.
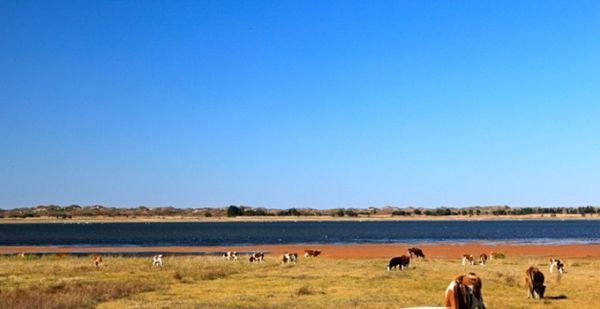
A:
(157, 260)
(558, 263)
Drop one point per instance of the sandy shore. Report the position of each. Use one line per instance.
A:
(357, 251)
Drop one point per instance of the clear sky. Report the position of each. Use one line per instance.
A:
(299, 103)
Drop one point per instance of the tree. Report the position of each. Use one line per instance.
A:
(351, 213)
(234, 211)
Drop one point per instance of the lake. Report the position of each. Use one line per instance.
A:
(254, 233)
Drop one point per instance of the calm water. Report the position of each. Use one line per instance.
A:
(247, 233)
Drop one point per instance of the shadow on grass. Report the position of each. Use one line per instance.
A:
(561, 296)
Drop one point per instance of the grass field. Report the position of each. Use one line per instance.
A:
(210, 282)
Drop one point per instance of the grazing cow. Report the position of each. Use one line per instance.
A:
(22, 254)
(257, 257)
(483, 259)
(290, 258)
(534, 281)
(465, 292)
(62, 254)
(496, 255)
(558, 263)
(157, 260)
(418, 253)
(468, 258)
(98, 260)
(312, 253)
(401, 261)
(230, 255)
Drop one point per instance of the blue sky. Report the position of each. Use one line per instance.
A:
(299, 103)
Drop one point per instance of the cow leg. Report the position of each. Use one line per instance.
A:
(530, 293)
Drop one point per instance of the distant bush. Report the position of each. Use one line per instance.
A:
(350, 213)
(234, 211)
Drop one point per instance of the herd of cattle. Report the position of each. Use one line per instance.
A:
(258, 257)
(465, 291)
(288, 257)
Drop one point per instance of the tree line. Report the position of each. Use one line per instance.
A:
(76, 211)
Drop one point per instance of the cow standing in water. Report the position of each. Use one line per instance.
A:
(416, 252)
(401, 262)
(465, 292)
(98, 261)
(534, 281)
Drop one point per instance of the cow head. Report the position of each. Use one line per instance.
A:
(539, 290)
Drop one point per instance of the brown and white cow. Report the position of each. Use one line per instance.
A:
(416, 252)
(401, 262)
(534, 281)
(98, 260)
(257, 257)
(558, 263)
(230, 255)
(465, 292)
(468, 258)
(290, 258)
(312, 253)
(483, 259)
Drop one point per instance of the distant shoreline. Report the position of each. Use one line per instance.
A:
(351, 251)
(175, 219)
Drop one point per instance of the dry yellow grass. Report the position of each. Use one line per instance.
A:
(209, 282)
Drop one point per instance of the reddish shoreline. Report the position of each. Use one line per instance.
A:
(354, 251)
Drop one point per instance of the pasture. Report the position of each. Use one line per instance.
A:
(211, 282)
